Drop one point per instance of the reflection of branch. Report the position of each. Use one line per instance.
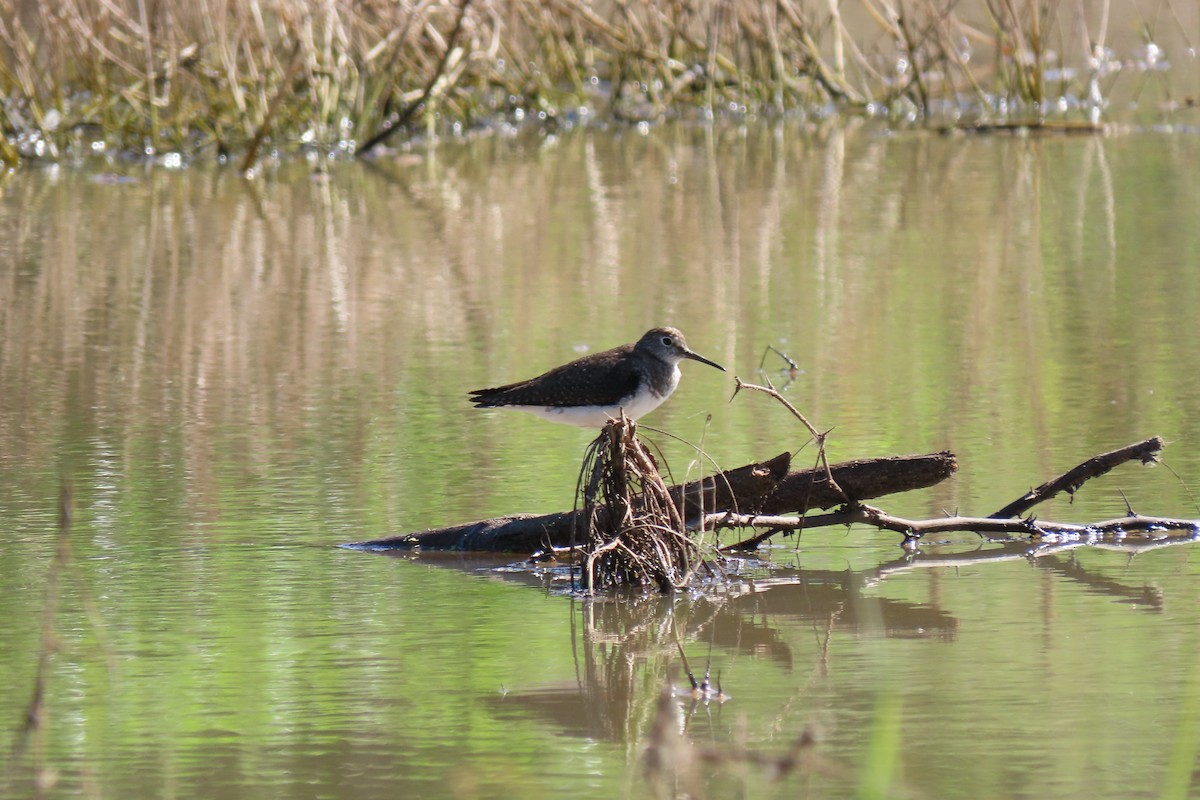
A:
(670, 759)
(1014, 549)
(1131, 547)
(1145, 451)
(1148, 597)
(1010, 550)
(1043, 555)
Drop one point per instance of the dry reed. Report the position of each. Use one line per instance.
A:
(80, 76)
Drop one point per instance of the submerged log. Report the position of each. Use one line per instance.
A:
(763, 488)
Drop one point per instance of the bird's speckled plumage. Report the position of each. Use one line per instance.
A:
(634, 378)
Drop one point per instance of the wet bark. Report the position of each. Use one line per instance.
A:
(763, 488)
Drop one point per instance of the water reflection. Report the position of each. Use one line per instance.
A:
(624, 649)
(179, 318)
(622, 643)
(236, 376)
(1050, 557)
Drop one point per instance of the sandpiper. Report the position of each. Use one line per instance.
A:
(590, 391)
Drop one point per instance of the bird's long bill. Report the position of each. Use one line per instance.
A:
(702, 360)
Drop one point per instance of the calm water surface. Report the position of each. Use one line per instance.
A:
(233, 377)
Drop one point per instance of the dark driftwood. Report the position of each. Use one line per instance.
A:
(764, 488)
(859, 480)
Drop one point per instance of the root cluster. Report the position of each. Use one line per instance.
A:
(633, 533)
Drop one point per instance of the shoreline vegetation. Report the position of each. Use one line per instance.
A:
(250, 79)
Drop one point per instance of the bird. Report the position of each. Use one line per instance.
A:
(633, 379)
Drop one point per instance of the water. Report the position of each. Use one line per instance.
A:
(233, 377)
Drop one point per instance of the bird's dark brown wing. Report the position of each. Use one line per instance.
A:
(598, 379)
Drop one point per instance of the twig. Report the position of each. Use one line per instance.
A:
(1145, 451)
(791, 371)
(818, 437)
(770, 390)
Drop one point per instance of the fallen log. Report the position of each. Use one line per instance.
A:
(763, 488)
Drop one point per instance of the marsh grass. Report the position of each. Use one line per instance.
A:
(220, 76)
(214, 76)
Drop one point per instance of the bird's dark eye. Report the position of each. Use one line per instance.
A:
(667, 341)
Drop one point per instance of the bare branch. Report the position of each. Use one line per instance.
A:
(394, 123)
(818, 437)
(1145, 451)
(916, 528)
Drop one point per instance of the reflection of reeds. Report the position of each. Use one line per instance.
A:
(237, 298)
(176, 76)
(31, 730)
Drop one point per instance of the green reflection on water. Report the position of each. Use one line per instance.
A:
(236, 376)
